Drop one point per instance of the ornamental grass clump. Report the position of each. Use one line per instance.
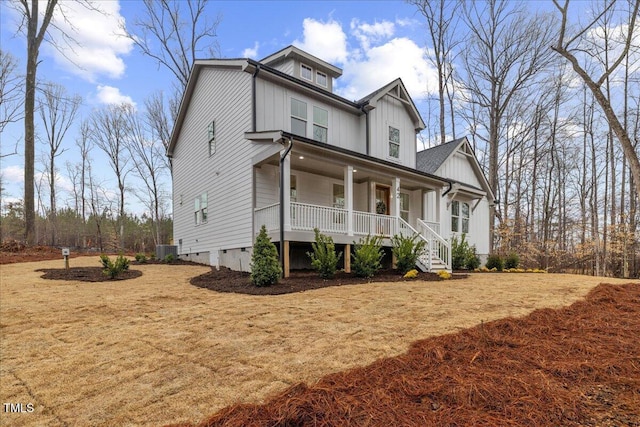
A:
(324, 257)
(112, 269)
(367, 254)
(406, 250)
(265, 266)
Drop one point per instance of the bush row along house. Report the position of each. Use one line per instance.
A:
(269, 143)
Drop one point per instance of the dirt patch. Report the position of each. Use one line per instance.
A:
(576, 366)
(158, 350)
(86, 274)
(226, 280)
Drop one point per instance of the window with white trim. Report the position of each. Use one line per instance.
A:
(338, 196)
(320, 124)
(460, 217)
(394, 142)
(321, 79)
(293, 188)
(404, 206)
(211, 137)
(200, 209)
(298, 117)
(306, 72)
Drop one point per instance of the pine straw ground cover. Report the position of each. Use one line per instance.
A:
(156, 350)
(576, 366)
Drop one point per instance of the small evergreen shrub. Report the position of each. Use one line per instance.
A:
(114, 268)
(141, 258)
(463, 255)
(324, 257)
(367, 254)
(512, 261)
(168, 258)
(495, 263)
(265, 265)
(406, 250)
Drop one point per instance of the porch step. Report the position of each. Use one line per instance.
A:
(436, 265)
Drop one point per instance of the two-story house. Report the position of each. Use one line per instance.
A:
(269, 143)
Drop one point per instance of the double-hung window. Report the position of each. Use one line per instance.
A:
(338, 202)
(394, 142)
(321, 79)
(306, 72)
(320, 124)
(200, 209)
(211, 138)
(460, 217)
(298, 117)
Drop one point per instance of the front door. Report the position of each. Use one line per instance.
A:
(382, 199)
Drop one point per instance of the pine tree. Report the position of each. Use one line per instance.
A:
(265, 266)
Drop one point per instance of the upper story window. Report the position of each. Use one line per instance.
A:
(211, 138)
(394, 142)
(306, 72)
(320, 124)
(298, 117)
(321, 79)
(459, 217)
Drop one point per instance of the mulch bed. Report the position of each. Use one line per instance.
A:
(575, 366)
(226, 280)
(86, 274)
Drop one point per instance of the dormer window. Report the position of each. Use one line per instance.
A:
(321, 79)
(306, 72)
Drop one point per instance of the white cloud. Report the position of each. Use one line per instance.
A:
(371, 33)
(399, 57)
(326, 40)
(112, 95)
(97, 44)
(251, 52)
(13, 174)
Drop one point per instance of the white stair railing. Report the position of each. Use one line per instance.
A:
(438, 246)
(405, 229)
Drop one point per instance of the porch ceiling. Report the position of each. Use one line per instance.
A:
(328, 163)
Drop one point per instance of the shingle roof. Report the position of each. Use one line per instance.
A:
(431, 159)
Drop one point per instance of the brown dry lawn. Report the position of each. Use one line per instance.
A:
(156, 350)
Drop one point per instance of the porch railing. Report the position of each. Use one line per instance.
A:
(369, 223)
(269, 216)
(327, 219)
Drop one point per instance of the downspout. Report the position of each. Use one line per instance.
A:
(448, 189)
(282, 159)
(367, 137)
(253, 97)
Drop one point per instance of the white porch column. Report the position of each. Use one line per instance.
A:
(438, 203)
(348, 197)
(395, 194)
(286, 171)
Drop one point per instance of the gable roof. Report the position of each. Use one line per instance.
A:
(397, 90)
(431, 159)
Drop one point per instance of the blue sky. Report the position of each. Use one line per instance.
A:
(373, 42)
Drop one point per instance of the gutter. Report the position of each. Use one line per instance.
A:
(282, 159)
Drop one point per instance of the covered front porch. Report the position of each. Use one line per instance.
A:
(346, 197)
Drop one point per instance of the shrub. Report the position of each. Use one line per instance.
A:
(113, 269)
(168, 258)
(324, 257)
(367, 254)
(494, 263)
(445, 275)
(141, 258)
(406, 250)
(265, 266)
(411, 274)
(512, 261)
(463, 255)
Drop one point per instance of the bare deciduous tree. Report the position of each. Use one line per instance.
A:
(569, 47)
(58, 112)
(10, 94)
(110, 133)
